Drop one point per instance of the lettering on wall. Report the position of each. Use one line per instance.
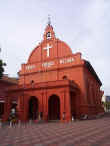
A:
(51, 63)
(66, 60)
(47, 64)
(29, 67)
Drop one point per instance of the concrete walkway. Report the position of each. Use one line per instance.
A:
(80, 133)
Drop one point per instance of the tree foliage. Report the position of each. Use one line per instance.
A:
(107, 105)
(1, 68)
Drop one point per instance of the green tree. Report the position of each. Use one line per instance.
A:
(1, 68)
(107, 105)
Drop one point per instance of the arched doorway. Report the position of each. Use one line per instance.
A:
(33, 108)
(54, 108)
(1, 109)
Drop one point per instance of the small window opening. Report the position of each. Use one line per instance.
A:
(65, 78)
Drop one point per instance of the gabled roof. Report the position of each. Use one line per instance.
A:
(91, 69)
(9, 80)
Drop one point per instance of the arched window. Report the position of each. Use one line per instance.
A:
(65, 78)
(32, 83)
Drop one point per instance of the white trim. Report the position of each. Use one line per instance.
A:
(2, 101)
(14, 102)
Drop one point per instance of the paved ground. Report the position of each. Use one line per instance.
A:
(79, 133)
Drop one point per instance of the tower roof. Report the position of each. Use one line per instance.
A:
(49, 33)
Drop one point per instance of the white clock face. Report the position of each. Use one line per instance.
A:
(48, 35)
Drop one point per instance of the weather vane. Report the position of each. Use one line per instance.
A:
(49, 20)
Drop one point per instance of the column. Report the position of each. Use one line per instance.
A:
(45, 105)
(21, 107)
(62, 106)
(7, 108)
(67, 106)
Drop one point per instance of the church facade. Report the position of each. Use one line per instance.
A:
(55, 84)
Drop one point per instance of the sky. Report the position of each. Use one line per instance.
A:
(83, 24)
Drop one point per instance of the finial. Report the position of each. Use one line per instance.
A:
(49, 20)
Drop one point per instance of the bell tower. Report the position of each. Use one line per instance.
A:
(49, 32)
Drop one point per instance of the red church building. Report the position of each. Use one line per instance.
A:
(55, 84)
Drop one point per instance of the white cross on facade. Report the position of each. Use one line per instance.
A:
(48, 49)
